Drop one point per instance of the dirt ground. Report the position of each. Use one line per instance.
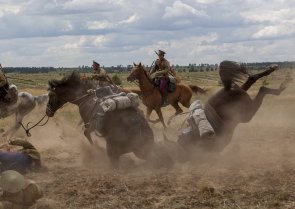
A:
(256, 170)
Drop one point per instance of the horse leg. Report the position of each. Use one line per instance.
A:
(87, 133)
(253, 78)
(160, 115)
(18, 119)
(260, 96)
(178, 111)
(113, 156)
(148, 115)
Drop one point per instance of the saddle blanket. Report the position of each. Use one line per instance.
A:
(198, 116)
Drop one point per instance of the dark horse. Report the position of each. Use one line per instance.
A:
(231, 105)
(124, 130)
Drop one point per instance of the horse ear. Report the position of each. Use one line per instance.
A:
(134, 64)
(139, 64)
(50, 83)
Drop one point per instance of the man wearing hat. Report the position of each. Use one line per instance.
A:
(3, 85)
(27, 158)
(161, 71)
(18, 192)
(100, 75)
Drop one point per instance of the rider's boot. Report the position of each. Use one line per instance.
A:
(165, 98)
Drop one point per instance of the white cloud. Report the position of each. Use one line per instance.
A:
(73, 32)
(179, 9)
(95, 25)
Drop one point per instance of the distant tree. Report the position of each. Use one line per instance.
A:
(116, 79)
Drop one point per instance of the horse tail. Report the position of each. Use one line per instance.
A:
(231, 72)
(197, 89)
(41, 99)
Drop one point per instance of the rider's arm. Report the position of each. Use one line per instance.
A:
(3, 80)
(164, 70)
(155, 69)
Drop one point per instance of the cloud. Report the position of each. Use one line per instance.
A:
(180, 9)
(72, 32)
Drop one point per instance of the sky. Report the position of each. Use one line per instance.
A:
(70, 33)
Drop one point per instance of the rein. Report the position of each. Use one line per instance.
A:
(27, 128)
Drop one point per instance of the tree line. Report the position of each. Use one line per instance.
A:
(121, 68)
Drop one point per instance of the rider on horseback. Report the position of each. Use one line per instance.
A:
(4, 86)
(100, 75)
(160, 72)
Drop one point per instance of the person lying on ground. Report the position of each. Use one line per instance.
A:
(21, 160)
(18, 192)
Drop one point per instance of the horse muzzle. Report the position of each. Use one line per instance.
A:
(49, 112)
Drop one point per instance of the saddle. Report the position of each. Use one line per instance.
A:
(108, 101)
(171, 84)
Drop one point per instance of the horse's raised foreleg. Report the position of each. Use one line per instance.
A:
(18, 119)
(260, 96)
(253, 78)
(178, 111)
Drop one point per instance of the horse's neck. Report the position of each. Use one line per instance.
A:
(85, 104)
(145, 84)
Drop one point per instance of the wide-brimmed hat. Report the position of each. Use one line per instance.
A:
(160, 52)
(12, 181)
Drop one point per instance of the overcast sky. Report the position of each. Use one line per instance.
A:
(71, 33)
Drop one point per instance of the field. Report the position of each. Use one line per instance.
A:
(256, 170)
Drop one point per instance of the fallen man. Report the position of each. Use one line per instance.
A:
(22, 160)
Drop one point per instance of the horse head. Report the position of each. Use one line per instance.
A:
(135, 73)
(62, 91)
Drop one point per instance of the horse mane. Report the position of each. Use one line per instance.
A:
(67, 80)
(145, 73)
(70, 80)
(231, 72)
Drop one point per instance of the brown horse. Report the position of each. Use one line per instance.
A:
(152, 97)
(230, 106)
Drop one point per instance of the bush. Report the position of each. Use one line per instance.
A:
(116, 79)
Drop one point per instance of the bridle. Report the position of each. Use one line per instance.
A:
(136, 82)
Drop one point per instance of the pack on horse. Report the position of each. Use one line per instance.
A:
(152, 97)
(125, 130)
(230, 106)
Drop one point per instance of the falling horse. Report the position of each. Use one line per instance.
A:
(23, 105)
(124, 130)
(152, 97)
(230, 106)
